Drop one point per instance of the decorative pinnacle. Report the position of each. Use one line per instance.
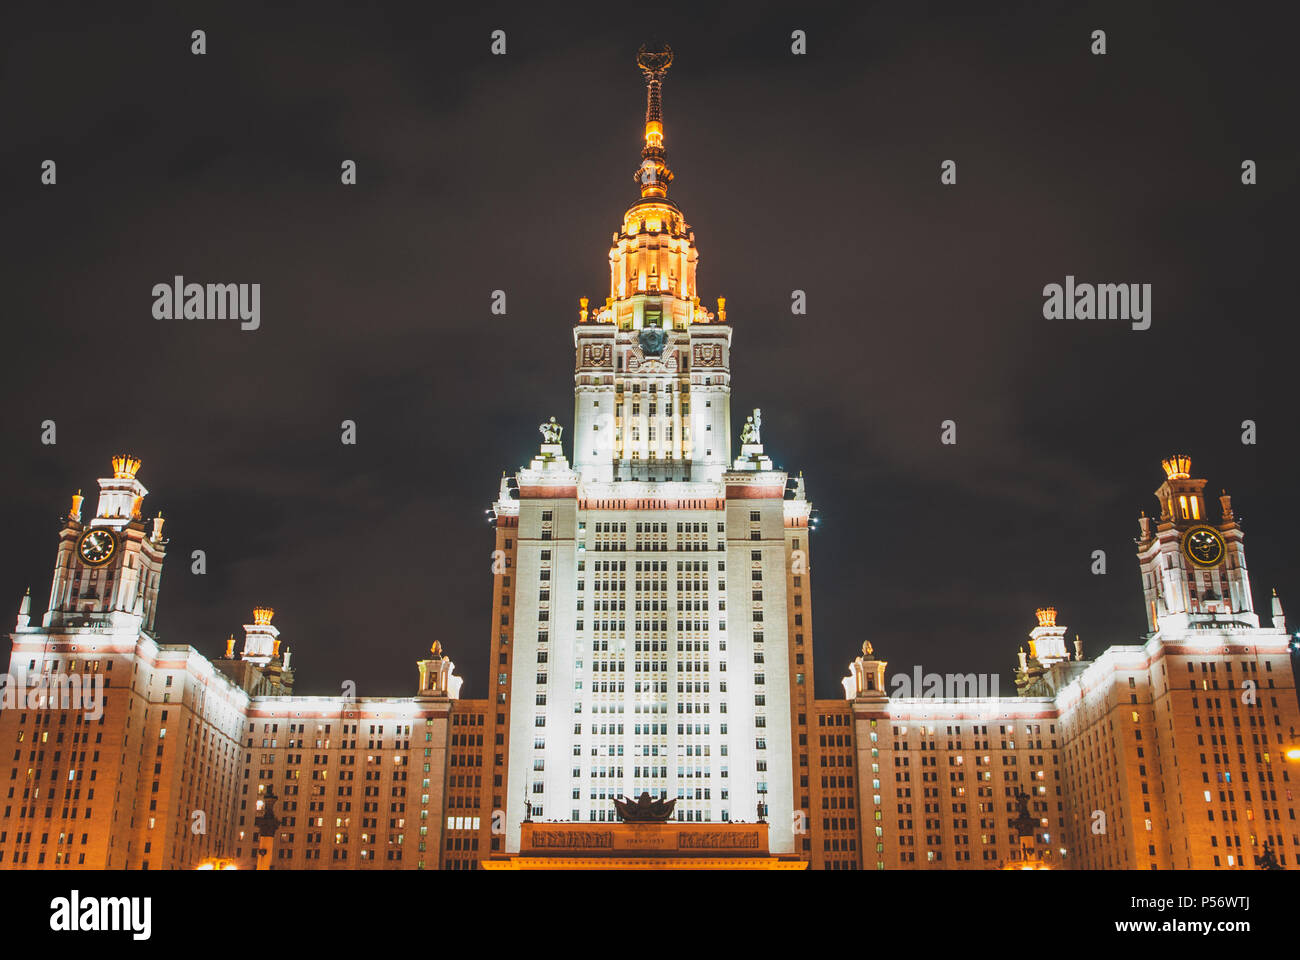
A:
(654, 174)
(1046, 616)
(262, 615)
(1177, 467)
(654, 63)
(125, 466)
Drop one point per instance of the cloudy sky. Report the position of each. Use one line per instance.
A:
(817, 172)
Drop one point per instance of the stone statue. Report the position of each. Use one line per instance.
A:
(267, 822)
(550, 431)
(1268, 859)
(750, 432)
(1024, 822)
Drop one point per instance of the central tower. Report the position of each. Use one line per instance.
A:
(651, 611)
(652, 381)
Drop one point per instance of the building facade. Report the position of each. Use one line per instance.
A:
(650, 633)
(1171, 754)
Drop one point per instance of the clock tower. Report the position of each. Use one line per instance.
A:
(108, 568)
(1193, 570)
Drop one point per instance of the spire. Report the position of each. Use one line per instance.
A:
(25, 609)
(654, 174)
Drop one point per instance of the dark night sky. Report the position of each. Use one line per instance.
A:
(818, 172)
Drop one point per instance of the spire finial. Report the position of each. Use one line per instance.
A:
(653, 174)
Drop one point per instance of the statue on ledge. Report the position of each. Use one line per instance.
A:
(750, 432)
(1024, 822)
(644, 809)
(1268, 859)
(550, 431)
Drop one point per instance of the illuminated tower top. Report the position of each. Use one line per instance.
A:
(652, 259)
(652, 378)
(121, 495)
(654, 173)
(261, 639)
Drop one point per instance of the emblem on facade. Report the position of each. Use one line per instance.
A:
(644, 809)
(708, 355)
(639, 362)
(652, 341)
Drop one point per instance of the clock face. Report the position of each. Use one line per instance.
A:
(1203, 546)
(97, 546)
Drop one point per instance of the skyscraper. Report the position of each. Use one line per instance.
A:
(657, 637)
